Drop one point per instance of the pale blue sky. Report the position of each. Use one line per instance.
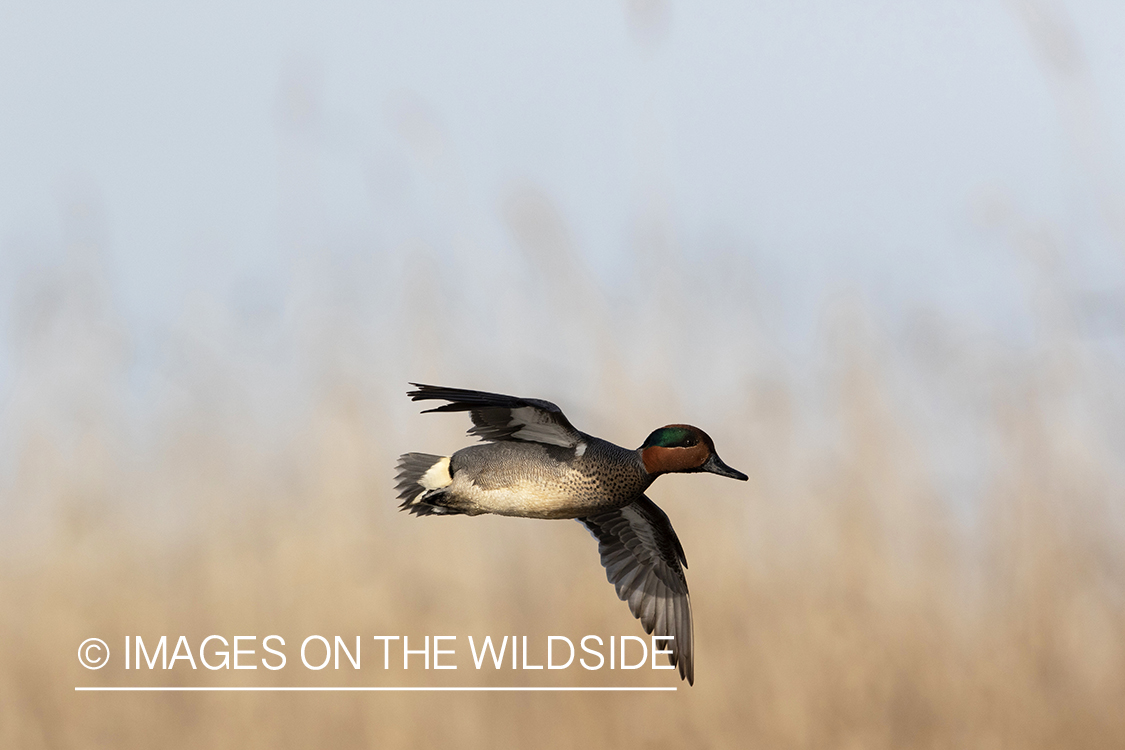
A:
(839, 144)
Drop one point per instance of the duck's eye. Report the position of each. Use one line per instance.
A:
(672, 437)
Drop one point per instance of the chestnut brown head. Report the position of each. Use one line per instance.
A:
(683, 448)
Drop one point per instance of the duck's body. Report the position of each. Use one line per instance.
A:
(537, 480)
(537, 465)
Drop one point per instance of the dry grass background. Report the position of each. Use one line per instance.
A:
(845, 597)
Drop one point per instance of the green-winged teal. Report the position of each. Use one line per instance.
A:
(535, 464)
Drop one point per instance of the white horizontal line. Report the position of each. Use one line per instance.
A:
(371, 689)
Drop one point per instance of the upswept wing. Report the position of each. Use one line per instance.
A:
(499, 417)
(642, 558)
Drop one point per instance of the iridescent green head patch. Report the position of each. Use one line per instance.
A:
(671, 437)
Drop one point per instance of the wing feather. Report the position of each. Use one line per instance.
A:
(499, 417)
(645, 562)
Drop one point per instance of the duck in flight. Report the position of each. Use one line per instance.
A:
(535, 464)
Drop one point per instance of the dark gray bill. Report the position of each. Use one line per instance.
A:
(715, 465)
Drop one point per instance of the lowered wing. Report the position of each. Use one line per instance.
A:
(642, 559)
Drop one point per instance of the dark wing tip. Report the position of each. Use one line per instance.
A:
(460, 399)
(423, 391)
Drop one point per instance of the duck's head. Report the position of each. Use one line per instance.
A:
(683, 448)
